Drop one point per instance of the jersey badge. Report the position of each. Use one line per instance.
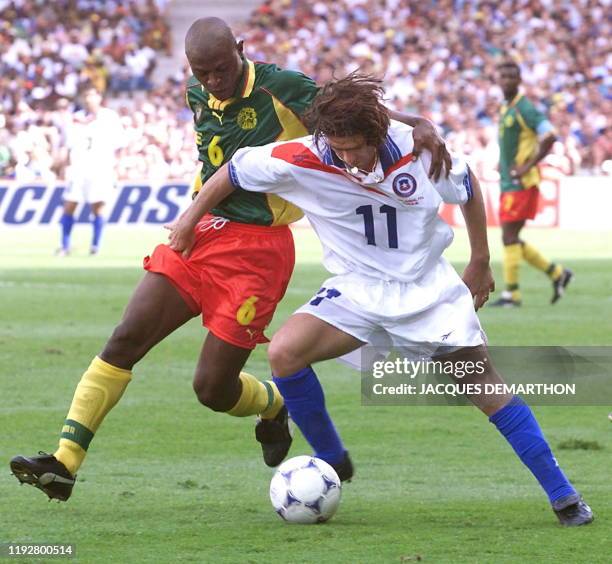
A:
(508, 121)
(247, 118)
(404, 185)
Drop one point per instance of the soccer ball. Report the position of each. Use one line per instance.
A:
(305, 490)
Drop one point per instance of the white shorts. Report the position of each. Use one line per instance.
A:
(89, 189)
(432, 313)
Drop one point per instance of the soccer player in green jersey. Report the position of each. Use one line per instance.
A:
(234, 276)
(525, 138)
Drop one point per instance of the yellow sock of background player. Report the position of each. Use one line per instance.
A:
(535, 259)
(257, 398)
(512, 261)
(100, 388)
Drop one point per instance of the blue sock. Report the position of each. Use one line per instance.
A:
(516, 422)
(98, 224)
(306, 404)
(66, 221)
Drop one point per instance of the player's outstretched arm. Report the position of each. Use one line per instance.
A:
(477, 274)
(217, 188)
(426, 138)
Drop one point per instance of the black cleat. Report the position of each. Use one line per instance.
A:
(275, 437)
(572, 511)
(46, 473)
(560, 284)
(345, 468)
(505, 302)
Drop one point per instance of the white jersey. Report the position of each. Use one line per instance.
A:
(386, 226)
(93, 142)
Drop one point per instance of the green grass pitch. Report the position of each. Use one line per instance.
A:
(167, 480)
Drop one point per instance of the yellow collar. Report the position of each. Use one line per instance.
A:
(244, 90)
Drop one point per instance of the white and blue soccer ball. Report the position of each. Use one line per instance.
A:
(305, 490)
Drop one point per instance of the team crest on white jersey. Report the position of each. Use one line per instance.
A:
(404, 185)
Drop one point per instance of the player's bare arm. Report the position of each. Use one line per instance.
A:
(426, 138)
(477, 274)
(182, 235)
(544, 147)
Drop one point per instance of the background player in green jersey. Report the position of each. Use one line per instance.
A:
(236, 273)
(525, 138)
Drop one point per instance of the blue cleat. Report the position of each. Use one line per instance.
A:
(344, 469)
(572, 511)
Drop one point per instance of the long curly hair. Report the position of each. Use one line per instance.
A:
(349, 106)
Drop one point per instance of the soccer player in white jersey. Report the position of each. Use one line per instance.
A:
(376, 213)
(92, 139)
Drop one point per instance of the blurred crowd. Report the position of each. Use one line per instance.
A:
(438, 60)
(51, 51)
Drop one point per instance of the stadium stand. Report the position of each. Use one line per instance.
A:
(438, 60)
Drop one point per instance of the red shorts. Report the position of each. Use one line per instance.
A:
(519, 205)
(235, 276)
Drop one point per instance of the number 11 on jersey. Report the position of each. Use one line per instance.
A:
(368, 219)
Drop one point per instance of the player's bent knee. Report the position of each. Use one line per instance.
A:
(283, 360)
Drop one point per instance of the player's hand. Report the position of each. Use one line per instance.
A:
(181, 237)
(517, 171)
(427, 138)
(479, 279)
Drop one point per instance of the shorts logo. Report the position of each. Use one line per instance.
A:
(323, 294)
(247, 118)
(247, 311)
(404, 185)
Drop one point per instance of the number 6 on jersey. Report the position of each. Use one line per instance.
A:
(215, 152)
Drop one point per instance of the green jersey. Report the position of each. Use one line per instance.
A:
(519, 125)
(265, 108)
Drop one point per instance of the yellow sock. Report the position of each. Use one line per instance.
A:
(257, 398)
(100, 388)
(535, 259)
(512, 262)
